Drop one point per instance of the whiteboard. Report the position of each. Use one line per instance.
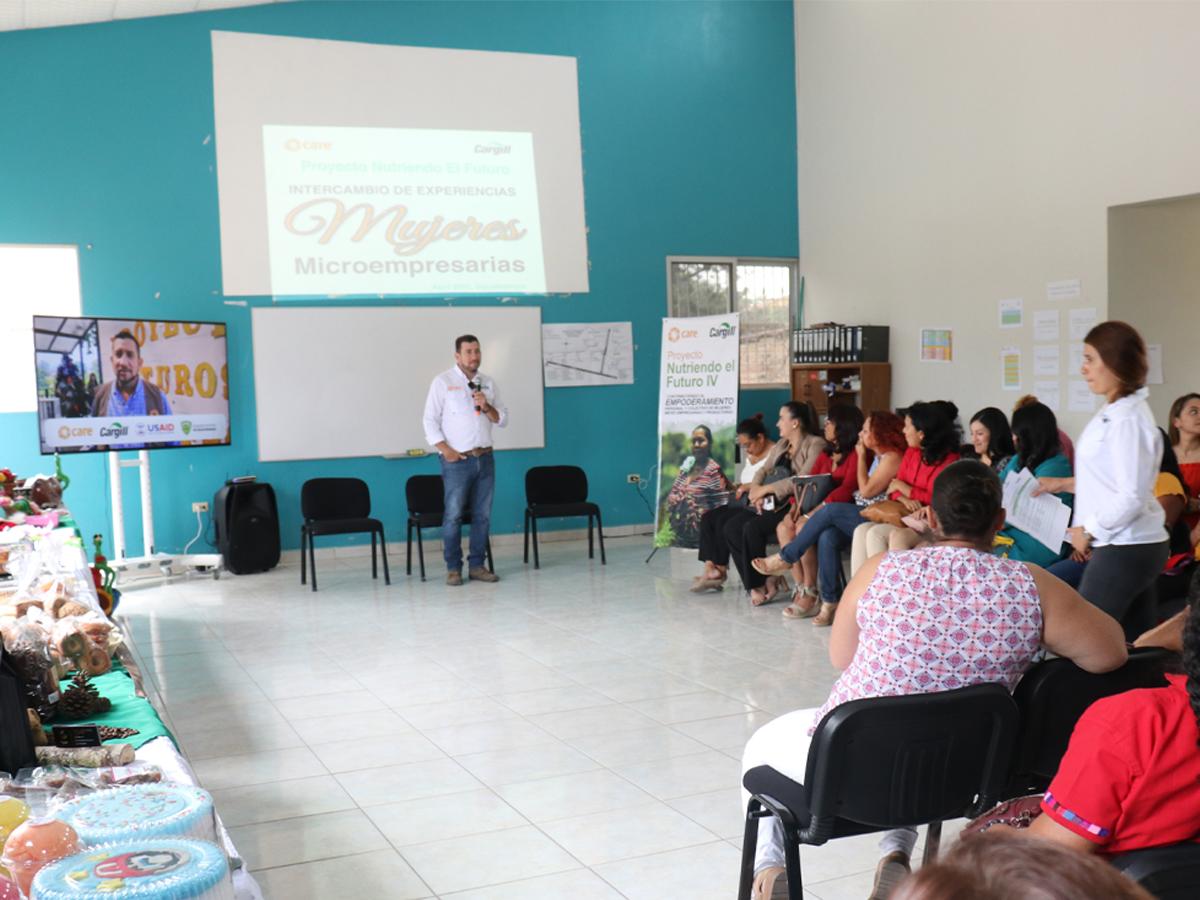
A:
(333, 382)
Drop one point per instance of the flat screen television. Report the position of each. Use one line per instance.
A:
(130, 384)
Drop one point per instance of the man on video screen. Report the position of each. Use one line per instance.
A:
(128, 394)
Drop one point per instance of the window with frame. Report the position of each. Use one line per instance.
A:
(761, 291)
(35, 280)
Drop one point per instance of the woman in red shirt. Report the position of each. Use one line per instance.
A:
(840, 460)
(1131, 776)
(934, 439)
(1184, 433)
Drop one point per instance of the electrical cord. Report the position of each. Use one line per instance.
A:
(199, 531)
(641, 489)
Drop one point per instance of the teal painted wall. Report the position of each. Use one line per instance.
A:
(689, 140)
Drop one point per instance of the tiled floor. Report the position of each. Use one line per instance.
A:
(573, 732)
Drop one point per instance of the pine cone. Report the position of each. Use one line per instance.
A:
(81, 699)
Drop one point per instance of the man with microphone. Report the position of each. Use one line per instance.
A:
(460, 410)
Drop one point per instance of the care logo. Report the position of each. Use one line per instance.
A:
(66, 431)
(724, 330)
(294, 144)
(679, 334)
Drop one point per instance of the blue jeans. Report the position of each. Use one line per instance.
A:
(469, 484)
(831, 529)
(1069, 571)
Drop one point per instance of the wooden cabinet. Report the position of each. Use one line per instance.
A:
(875, 393)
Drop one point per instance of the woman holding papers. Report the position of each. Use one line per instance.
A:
(1117, 519)
(1035, 431)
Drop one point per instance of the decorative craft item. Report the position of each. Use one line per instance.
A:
(13, 812)
(81, 699)
(142, 811)
(86, 757)
(146, 869)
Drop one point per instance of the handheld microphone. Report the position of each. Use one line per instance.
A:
(474, 387)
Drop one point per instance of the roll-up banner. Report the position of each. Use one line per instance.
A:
(697, 420)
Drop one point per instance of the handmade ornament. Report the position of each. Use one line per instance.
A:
(86, 757)
(8, 889)
(144, 811)
(34, 844)
(82, 699)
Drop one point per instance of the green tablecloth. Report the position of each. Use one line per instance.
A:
(128, 709)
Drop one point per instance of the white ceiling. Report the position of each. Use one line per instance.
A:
(17, 14)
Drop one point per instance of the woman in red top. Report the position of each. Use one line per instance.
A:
(1131, 776)
(934, 439)
(840, 460)
(1184, 434)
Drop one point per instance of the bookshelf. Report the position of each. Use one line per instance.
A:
(875, 392)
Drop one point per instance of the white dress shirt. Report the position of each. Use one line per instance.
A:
(450, 411)
(1117, 459)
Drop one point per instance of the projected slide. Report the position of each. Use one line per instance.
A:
(401, 210)
(362, 170)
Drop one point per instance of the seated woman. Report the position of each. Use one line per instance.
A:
(1036, 432)
(843, 426)
(714, 552)
(831, 526)
(933, 443)
(1130, 778)
(795, 453)
(1064, 439)
(1002, 613)
(991, 438)
(1184, 436)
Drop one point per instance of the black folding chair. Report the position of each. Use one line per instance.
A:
(338, 506)
(1169, 873)
(426, 498)
(886, 762)
(555, 492)
(1052, 696)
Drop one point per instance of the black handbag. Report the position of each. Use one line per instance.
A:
(811, 490)
(16, 742)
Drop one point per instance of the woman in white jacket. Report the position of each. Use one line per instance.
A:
(1118, 524)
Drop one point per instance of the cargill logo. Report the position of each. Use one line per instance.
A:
(116, 429)
(723, 330)
(495, 148)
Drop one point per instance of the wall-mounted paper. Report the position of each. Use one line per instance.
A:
(1080, 322)
(1067, 289)
(594, 353)
(937, 345)
(1011, 312)
(1049, 393)
(1154, 357)
(1045, 325)
(1045, 361)
(1010, 369)
(1080, 397)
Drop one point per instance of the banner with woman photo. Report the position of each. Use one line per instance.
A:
(697, 420)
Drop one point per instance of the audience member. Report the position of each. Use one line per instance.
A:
(831, 528)
(714, 551)
(1118, 520)
(795, 453)
(982, 620)
(1183, 431)
(1064, 439)
(1035, 431)
(991, 438)
(843, 427)
(1130, 778)
(933, 444)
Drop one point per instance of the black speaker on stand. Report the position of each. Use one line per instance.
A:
(247, 522)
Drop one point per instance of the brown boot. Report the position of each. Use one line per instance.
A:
(892, 869)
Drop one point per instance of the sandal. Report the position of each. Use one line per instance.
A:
(798, 609)
(700, 585)
(770, 565)
(825, 617)
(782, 588)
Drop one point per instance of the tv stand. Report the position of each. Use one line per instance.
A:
(151, 564)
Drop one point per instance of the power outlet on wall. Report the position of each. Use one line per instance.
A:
(200, 506)
(633, 478)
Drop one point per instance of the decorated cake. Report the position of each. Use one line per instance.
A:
(142, 811)
(149, 869)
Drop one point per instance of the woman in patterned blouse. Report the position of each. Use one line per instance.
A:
(983, 619)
